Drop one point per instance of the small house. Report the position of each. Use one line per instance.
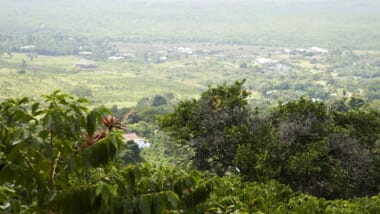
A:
(317, 50)
(185, 50)
(162, 59)
(116, 58)
(141, 143)
(85, 53)
(265, 61)
(28, 47)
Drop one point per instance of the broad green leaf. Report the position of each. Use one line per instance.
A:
(121, 187)
(50, 197)
(99, 189)
(158, 204)
(44, 134)
(172, 198)
(144, 204)
(91, 123)
(35, 107)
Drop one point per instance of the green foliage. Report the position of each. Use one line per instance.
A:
(207, 125)
(357, 149)
(133, 189)
(131, 153)
(364, 125)
(324, 153)
(167, 152)
(72, 159)
(301, 121)
(345, 104)
(258, 158)
(41, 141)
(301, 143)
(303, 127)
(231, 195)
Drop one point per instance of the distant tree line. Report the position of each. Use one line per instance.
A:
(54, 43)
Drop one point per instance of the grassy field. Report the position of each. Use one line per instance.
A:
(239, 31)
(109, 83)
(124, 83)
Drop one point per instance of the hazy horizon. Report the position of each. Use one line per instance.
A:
(264, 22)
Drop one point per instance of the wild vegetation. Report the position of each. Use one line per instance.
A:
(267, 106)
(183, 47)
(326, 77)
(300, 158)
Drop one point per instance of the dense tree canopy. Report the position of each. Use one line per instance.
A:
(305, 144)
(209, 123)
(315, 150)
(58, 156)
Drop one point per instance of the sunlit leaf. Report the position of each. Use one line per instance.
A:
(173, 199)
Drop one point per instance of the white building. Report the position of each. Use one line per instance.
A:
(141, 143)
(262, 60)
